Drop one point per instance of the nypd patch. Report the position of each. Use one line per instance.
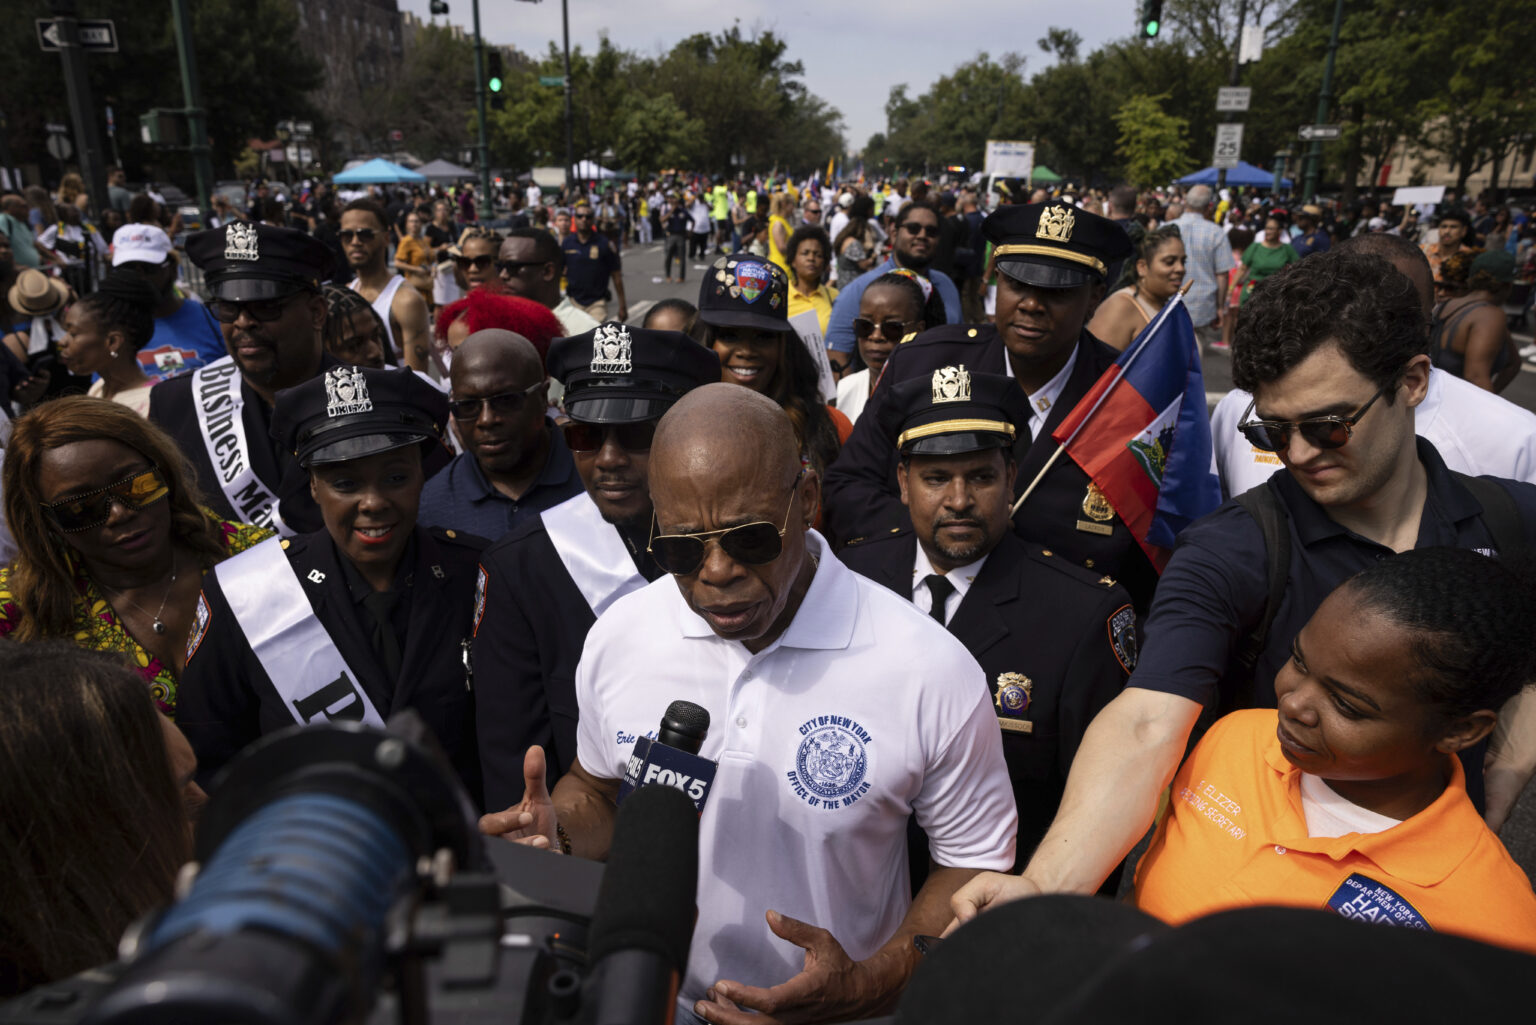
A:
(1122, 636)
(831, 763)
(481, 581)
(201, 617)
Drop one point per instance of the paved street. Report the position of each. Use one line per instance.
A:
(644, 286)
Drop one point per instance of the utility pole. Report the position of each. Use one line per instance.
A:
(82, 109)
(1324, 95)
(1237, 56)
(486, 208)
(197, 120)
(570, 150)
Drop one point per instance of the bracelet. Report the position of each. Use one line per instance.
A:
(563, 837)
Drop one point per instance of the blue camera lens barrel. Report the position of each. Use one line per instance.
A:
(318, 867)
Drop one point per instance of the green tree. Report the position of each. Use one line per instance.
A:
(654, 133)
(432, 100)
(1154, 144)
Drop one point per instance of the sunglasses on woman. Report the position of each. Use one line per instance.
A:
(891, 330)
(92, 509)
(507, 403)
(361, 234)
(1319, 431)
(480, 262)
(584, 437)
(750, 544)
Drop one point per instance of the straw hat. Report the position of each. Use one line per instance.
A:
(35, 294)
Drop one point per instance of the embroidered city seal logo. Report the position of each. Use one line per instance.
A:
(832, 762)
(754, 279)
(346, 392)
(240, 242)
(951, 384)
(612, 350)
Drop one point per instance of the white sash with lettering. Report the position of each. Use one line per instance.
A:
(219, 404)
(592, 551)
(291, 644)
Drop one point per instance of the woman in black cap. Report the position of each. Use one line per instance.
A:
(362, 619)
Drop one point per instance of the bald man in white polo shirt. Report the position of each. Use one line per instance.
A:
(836, 709)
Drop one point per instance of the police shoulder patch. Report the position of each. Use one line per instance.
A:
(482, 581)
(1122, 636)
(201, 617)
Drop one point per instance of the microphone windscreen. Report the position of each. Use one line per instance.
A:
(646, 899)
(687, 717)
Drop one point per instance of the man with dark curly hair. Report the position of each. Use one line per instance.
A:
(1333, 350)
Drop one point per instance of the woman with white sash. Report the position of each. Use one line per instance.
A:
(546, 582)
(366, 617)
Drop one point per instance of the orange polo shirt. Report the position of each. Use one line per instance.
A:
(1235, 835)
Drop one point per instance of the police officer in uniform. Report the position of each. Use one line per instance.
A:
(367, 616)
(542, 587)
(264, 290)
(1052, 260)
(1056, 640)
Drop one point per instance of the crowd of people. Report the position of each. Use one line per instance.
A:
(335, 456)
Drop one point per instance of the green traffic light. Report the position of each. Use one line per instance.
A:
(1152, 27)
(495, 85)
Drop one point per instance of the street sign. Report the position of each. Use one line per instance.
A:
(552, 80)
(1234, 98)
(54, 128)
(1250, 45)
(1319, 133)
(59, 147)
(1229, 144)
(97, 35)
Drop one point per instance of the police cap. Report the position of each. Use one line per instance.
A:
(351, 412)
(615, 374)
(953, 411)
(244, 260)
(743, 290)
(1054, 245)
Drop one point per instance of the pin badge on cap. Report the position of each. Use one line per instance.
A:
(346, 392)
(612, 350)
(1055, 224)
(951, 384)
(754, 279)
(240, 242)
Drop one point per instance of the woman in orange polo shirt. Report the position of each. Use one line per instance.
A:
(1350, 797)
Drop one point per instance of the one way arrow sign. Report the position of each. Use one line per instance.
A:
(1319, 133)
(99, 36)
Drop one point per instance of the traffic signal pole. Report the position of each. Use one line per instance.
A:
(1324, 96)
(197, 118)
(486, 207)
(82, 108)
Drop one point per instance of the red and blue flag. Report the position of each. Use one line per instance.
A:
(1143, 437)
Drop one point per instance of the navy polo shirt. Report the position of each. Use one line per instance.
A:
(459, 497)
(588, 265)
(1212, 595)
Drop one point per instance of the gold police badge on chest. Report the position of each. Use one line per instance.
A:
(1014, 691)
(1101, 515)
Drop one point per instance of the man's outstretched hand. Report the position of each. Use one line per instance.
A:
(831, 987)
(532, 820)
(985, 892)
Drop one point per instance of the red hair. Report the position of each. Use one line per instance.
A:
(482, 309)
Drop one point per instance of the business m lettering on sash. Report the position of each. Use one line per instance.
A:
(214, 395)
(332, 694)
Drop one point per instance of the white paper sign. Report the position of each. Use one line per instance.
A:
(808, 326)
(1410, 195)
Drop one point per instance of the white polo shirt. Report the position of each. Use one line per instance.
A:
(1475, 431)
(862, 712)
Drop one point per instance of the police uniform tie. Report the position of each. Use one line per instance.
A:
(381, 608)
(941, 589)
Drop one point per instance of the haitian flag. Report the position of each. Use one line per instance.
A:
(1143, 436)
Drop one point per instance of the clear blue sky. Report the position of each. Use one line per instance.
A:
(853, 52)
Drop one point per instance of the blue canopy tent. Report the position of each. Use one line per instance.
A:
(378, 171)
(1244, 174)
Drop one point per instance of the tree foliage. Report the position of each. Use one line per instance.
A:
(1152, 143)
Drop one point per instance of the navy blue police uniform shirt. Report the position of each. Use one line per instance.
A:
(460, 496)
(588, 266)
(1212, 595)
(862, 498)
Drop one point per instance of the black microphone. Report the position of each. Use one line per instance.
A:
(642, 925)
(672, 759)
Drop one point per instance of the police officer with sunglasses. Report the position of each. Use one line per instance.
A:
(1333, 351)
(544, 584)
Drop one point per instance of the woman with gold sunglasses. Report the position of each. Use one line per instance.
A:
(112, 539)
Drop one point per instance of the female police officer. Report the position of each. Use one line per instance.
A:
(355, 621)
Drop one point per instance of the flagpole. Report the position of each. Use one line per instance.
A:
(1061, 446)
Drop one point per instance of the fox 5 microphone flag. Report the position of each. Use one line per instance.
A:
(1142, 435)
